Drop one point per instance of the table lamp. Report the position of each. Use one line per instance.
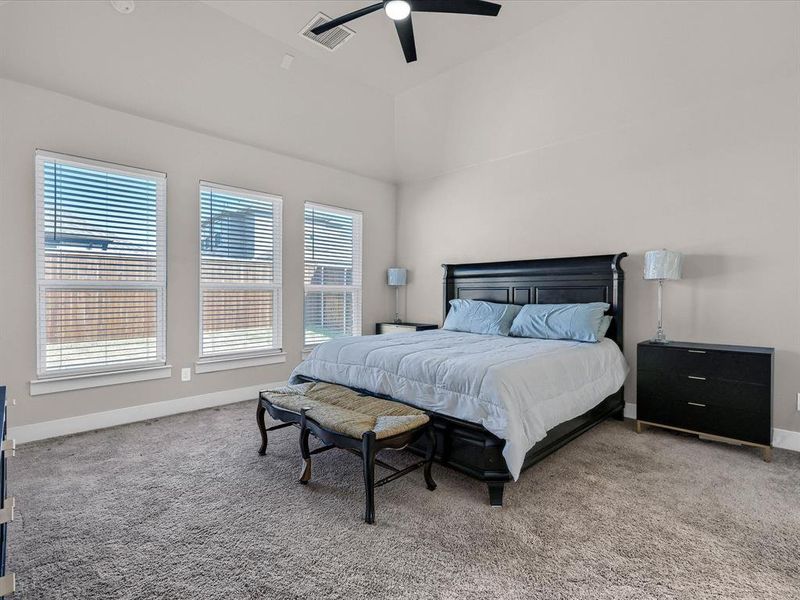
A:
(662, 265)
(397, 277)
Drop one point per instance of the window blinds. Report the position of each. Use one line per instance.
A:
(240, 271)
(332, 274)
(101, 270)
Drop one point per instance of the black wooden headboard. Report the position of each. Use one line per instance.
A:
(543, 281)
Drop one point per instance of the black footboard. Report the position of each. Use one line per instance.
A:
(471, 449)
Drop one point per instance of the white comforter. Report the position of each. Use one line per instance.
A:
(517, 388)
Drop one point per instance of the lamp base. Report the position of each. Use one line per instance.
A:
(659, 337)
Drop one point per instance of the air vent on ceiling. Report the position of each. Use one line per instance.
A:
(329, 40)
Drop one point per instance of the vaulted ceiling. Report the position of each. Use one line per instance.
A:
(215, 67)
(374, 56)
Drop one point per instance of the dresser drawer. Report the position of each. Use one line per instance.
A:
(710, 419)
(659, 386)
(717, 408)
(403, 327)
(391, 328)
(734, 366)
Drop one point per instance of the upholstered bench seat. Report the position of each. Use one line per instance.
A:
(343, 418)
(347, 412)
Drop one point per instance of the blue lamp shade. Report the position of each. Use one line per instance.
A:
(396, 276)
(662, 264)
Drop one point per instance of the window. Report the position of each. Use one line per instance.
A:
(240, 272)
(100, 263)
(332, 275)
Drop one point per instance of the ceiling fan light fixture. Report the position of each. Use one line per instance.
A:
(400, 11)
(397, 10)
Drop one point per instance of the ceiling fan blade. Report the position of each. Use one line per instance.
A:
(405, 31)
(320, 29)
(464, 7)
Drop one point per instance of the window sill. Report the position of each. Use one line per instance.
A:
(53, 385)
(210, 365)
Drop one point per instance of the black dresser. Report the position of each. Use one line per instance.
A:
(718, 391)
(7, 447)
(402, 327)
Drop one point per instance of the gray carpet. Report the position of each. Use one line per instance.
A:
(183, 507)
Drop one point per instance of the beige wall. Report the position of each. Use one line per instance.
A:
(187, 64)
(624, 127)
(33, 118)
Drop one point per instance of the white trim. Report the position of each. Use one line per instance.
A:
(132, 414)
(275, 285)
(241, 191)
(788, 440)
(630, 411)
(82, 161)
(357, 285)
(91, 380)
(307, 351)
(158, 284)
(335, 209)
(210, 365)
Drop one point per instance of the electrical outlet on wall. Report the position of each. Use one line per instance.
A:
(186, 374)
(798, 400)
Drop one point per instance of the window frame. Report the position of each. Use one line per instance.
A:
(221, 361)
(358, 258)
(42, 283)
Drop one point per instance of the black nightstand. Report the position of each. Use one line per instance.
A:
(402, 327)
(717, 391)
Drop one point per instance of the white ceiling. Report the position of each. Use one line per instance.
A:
(373, 56)
(186, 64)
(214, 67)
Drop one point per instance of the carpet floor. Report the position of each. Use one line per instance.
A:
(183, 507)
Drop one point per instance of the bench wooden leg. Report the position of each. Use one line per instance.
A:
(368, 456)
(431, 435)
(262, 428)
(305, 474)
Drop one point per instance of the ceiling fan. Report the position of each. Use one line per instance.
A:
(400, 11)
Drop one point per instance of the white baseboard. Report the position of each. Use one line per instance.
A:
(781, 438)
(132, 414)
(788, 440)
(630, 411)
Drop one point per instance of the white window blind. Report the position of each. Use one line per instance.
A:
(100, 264)
(240, 272)
(332, 277)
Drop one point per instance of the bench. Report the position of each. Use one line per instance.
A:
(343, 418)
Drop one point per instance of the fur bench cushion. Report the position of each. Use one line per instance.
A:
(347, 412)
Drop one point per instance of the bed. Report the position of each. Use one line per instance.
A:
(498, 404)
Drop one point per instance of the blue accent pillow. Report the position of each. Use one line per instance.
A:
(605, 323)
(476, 316)
(580, 322)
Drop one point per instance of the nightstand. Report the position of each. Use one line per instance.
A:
(720, 392)
(402, 327)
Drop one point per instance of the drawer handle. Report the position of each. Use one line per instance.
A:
(696, 377)
(696, 404)
(696, 351)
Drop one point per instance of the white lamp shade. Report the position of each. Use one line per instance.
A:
(662, 264)
(397, 276)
